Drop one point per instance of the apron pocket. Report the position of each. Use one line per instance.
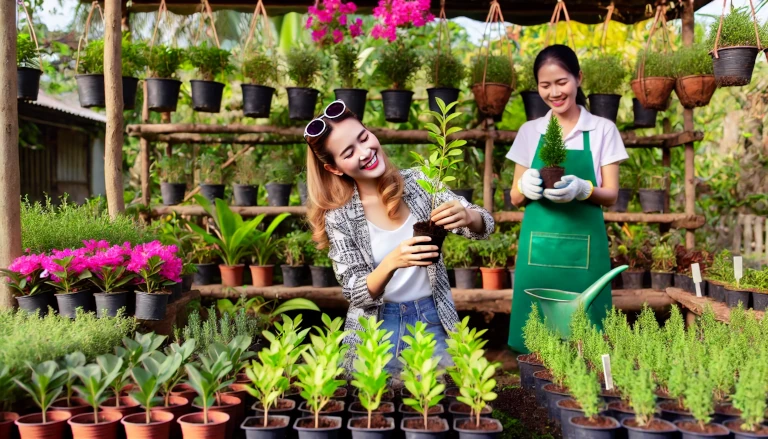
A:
(557, 250)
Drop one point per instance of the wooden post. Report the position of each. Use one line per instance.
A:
(146, 196)
(690, 171)
(113, 91)
(10, 186)
(749, 219)
(488, 171)
(666, 161)
(759, 236)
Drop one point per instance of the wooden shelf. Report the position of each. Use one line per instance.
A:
(676, 220)
(697, 305)
(194, 209)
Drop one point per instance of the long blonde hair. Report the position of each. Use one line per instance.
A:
(327, 191)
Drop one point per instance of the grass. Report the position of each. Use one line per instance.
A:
(499, 70)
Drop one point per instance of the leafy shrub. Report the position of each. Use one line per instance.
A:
(261, 68)
(584, 387)
(305, 65)
(92, 58)
(553, 151)
(698, 395)
(319, 257)
(693, 60)
(448, 69)
(457, 252)
(247, 169)
(173, 169)
(738, 30)
(279, 169)
(656, 64)
(525, 78)
(134, 57)
(209, 61)
(604, 74)
(210, 169)
(420, 372)
(165, 61)
(26, 52)
(398, 64)
(494, 251)
(663, 256)
(749, 397)
(499, 70)
(346, 64)
(294, 247)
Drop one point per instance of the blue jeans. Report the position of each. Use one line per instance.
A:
(397, 315)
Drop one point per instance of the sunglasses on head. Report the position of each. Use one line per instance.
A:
(317, 127)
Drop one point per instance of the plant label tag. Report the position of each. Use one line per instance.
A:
(607, 371)
(696, 272)
(737, 268)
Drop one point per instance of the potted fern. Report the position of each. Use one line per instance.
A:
(248, 176)
(654, 79)
(734, 47)
(211, 177)
(695, 80)
(293, 249)
(173, 177)
(398, 65)
(210, 62)
(321, 269)
(162, 86)
(493, 78)
(447, 73)
(662, 266)
(28, 68)
(347, 55)
(493, 252)
(44, 386)
(458, 254)
(604, 77)
(260, 68)
(552, 153)
(264, 247)
(534, 105)
(305, 66)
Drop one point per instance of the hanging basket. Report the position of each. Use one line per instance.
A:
(653, 92)
(492, 97)
(733, 66)
(90, 91)
(605, 105)
(206, 96)
(696, 90)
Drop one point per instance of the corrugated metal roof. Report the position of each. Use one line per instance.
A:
(46, 101)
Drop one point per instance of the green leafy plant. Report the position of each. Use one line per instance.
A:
(70, 363)
(641, 396)
(293, 247)
(420, 372)
(267, 378)
(698, 395)
(158, 369)
(265, 246)
(184, 353)
(247, 170)
(279, 168)
(553, 151)
(398, 65)
(370, 378)
(525, 78)
(446, 70)
(458, 252)
(92, 58)
(165, 61)
(535, 332)
(202, 251)
(208, 380)
(134, 56)
(7, 389)
(236, 351)
(738, 30)
(215, 329)
(268, 310)
(656, 64)
(749, 396)
(96, 378)
(69, 281)
(499, 70)
(261, 68)
(346, 62)
(319, 257)
(494, 251)
(209, 61)
(289, 337)
(26, 52)
(209, 166)
(305, 65)
(584, 387)
(604, 74)
(663, 256)
(692, 60)
(173, 169)
(45, 384)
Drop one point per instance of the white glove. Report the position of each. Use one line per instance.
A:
(568, 188)
(530, 184)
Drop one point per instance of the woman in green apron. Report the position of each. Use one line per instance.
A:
(563, 242)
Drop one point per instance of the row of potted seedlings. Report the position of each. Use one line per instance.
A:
(495, 254)
(721, 285)
(708, 381)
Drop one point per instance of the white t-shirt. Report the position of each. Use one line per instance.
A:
(604, 141)
(407, 284)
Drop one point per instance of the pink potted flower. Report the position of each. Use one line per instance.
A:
(24, 276)
(67, 271)
(110, 275)
(157, 267)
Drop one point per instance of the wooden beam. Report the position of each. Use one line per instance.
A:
(113, 91)
(197, 210)
(676, 220)
(144, 156)
(243, 139)
(10, 185)
(698, 305)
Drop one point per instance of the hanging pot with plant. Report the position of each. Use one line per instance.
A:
(134, 64)
(643, 117)
(695, 83)
(293, 250)
(90, 77)
(264, 247)
(654, 77)
(398, 64)
(347, 55)
(162, 88)
(259, 67)
(43, 386)
(445, 69)
(248, 176)
(534, 105)
(604, 77)
(493, 76)
(28, 63)
(210, 62)
(305, 65)
(158, 267)
(736, 39)
(173, 179)
(211, 176)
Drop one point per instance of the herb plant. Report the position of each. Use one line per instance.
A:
(693, 60)
(96, 378)
(458, 252)
(641, 397)
(525, 79)
(657, 64)
(70, 363)
(370, 378)
(26, 52)
(553, 151)
(698, 395)
(290, 337)
(209, 61)
(261, 68)
(346, 62)
(247, 170)
(398, 65)
(134, 57)
(305, 65)
(210, 169)
(294, 247)
(320, 257)
(172, 169)
(499, 70)
(738, 30)
(585, 388)
(279, 168)
(420, 372)
(446, 70)
(749, 397)
(216, 329)
(92, 58)
(45, 384)
(535, 332)
(604, 74)
(165, 61)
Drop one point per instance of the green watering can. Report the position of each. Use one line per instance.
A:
(558, 306)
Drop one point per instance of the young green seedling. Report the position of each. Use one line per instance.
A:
(70, 362)
(7, 388)
(267, 378)
(477, 388)
(534, 332)
(641, 397)
(750, 396)
(158, 370)
(420, 372)
(585, 388)
(236, 352)
(45, 384)
(184, 351)
(698, 395)
(291, 339)
(553, 150)
(317, 379)
(329, 340)
(208, 381)
(370, 378)
(96, 379)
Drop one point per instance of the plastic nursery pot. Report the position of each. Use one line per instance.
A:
(691, 430)
(735, 428)
(175, 292)
(283, 407)
(90, 90)
(186, 282)
(725, 412)
(414, 427)
(279, 194)
(643, 117)
(759, 300)
(323, 277)
(465, 193)
(397, 105)
(458, 410)
(128, 406)
(437, 233)
(32, 426)
(83, 426)
(245, 194)
(381, 427)
(492, 98)
(733, 66)
(652, 200)
(605, 105)
(551, 175)
(656, 429)
(261, 275)
(232, 275)
(257, 100)
(27, 83)
(162, 94)
(436, 410)
(671, 412)
(178, 407)
(654, 91)
(734, 297)
(77, 406)
(184, 391)
(528, 366)
(465, 277)
(294, 276)
(540, 379)
(568, 409)
(151, 306)
(695, 90)
(206, 274)
(603, 427)
(68, 303)
(632, 280)
(661, 281)
(534, 105)
(554, 393)
(716, 291)
(301, 102)
(682, 282)
(206, 96)
(508, 200)
(159, 426)
(108, 304)
(37, 304)
(493, 278)
(229, 405)
(7, 426)
(328, 427)
(130, 86)
(193, 425)
(276, 428)
(172, 193)
(303, 193)
(354, 99)
(609, 396)
(447, 94)
(622, 202)
(620, 411)
(212, 191)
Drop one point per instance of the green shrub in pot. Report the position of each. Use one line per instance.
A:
(535, 333)
(698, 396)
(603, 74)
(70, 363)
(158, 370)
(26, 52)
(640, 388)
(370, 377)
(207, 379)
(96, 379)
(494, 250)
(524, 74)
(458, 252)
(164, 61)
(499, 70)
(692, 60)
(261, 68)
(173, 169)
(293, 247)
(210, 62)
(305, 66)
(397, 66)
(749, 398)
(738, 29)
(44, 385)
(268, 381)
(184, 354)
(585, 388)
(346, 64)
(420, 371)
(445, 70)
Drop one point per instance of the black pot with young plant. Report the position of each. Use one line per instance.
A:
(260, 69)
(653, 195)
(211, 62)
(321, 269)
(627, 186)
(604, 78)
(447, 73)
(28, 68)
(204, 257)
(346, 64)
(662, 266)
(398, 65)
(493, 79)
(248, 176)
(534, 105)
(643, 117)
(280, 175)
(173, 182)
(134, 60)
(162, 87)
(293, 249)
(733, 40)
(211, 177)
(458, 254)
(694, 76)
(90, 66)
(305, 65)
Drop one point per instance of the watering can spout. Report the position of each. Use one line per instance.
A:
(591, 293)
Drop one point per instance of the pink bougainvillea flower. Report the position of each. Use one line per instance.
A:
(329, 22)
(337, 36)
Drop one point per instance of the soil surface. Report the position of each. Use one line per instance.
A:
(463, 408)
(333, 407)
(377, 423)
(613, 393)
(384, 408)
(654, 425)
(736, 425)
(271, 422)
(673, 406)
(727, 409)
(282, 404)
(621, 406)
(452, 392)
(323, 422)
(661, 393)
(531, 359)
(432, 410)
(341, 392)
(598, 422)
(554, 388)
(694, 427)
(433, 424)
(544, 375)
(570, 404)
(485, 425)
(521, 417)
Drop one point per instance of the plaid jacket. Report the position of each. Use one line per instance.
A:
(350, 251)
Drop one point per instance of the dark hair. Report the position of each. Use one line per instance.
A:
(562, 56)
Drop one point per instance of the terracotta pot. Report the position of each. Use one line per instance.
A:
(158, 428)
(192, 426)
(78, 406)
(7, 426)
(232, 276)
(184, 391)
(178, 408)
(239, 392)
(493, 278)
(696, 90)
(32, 426)
(262, 275)
(230, 405)
(654, 91)
(128, 406)
(492, 98)
(83, 426)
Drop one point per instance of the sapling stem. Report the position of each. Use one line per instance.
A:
(149, 418)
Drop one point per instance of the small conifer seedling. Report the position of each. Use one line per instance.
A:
(552, 153)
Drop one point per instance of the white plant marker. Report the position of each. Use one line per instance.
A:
(696, 272)
(607, 371)
(738, 270)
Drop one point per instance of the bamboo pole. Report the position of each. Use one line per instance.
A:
(10, 186)
(113, 91)
(146, 195)
(488, 172)
(690, 171)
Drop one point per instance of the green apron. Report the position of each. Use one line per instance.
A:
(562, 246)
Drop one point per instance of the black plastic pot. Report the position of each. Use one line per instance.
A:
(622, 202)
(535, 107)
(447, 94)
(732, 298)
(511, 278)
(417, 433)
(724, 434)
(254, 429)
(579, 431)
(301, 102)
(605, 105)
(206, 274)
(172, 193)
(354, 99)
(206, 96)
(175, 292)
(466, 193)
(37, 304)
(90, 90)
(683, 282)
(107, 304)
(150, 306)
(527, 369)
(661, 281)
(608, 396)
(734, 65)
(397, 105)
(290, 411)
(364, 433)
(320, 433)
(553, 397)
(539, 383)
(639, 433)
(279, 194)
(455, 412)
(632, 280)
(673, 415)
(257, 100)
(759, 301)
(212, 191)
(478, 434)
(162, 94)
(303, 194)
(733, 427)
(27, 83)
(717, 292)
(652, 200)
(644, 118)
(323, 277)
(294, 276)
(186, 282)
(619, 414)
(721, 417)
(508, 200)
(465, 277)
(130, 86)
(245, 194)
(68, 303)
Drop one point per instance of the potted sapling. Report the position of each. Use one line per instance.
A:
(173, 177)
(305, 67)
(28, 68)
(132, 354)
(557, 357)
(268, 382)
(69, 403)
(695, 80)
(248, 176)
(293, 250)
(162, 86)
(398, 65)
(493, 78)
(757, 282)
(174, 402)
(238, 354)
(534, 336)
(158, 267)
(211, 177)
(493, 253)
(111, 277)
(280, 177)
(585, 389)
(627, 186)
(207, 382)
(90, 68)
(737, 292)
(134, 62)
(458, 254)
(642, 400)
(95, 380)
(465, 346)
(437, 169)
(604, 77)
(7, 398)
(347, 55)
(699, 399)
(288, 342)
(733, 40)
(321, 269)
(447, 73)
(264, 247)
(662, 266)
(211, 63)
(476, 390)
(149, 380)
(260, 69)
(71, 275)
(534, 105)
(654, 79)
(654, 193)
(749, 398)
(24, 275)
(44, 386)
(552, 153)
(370, 379)
(204, 257)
